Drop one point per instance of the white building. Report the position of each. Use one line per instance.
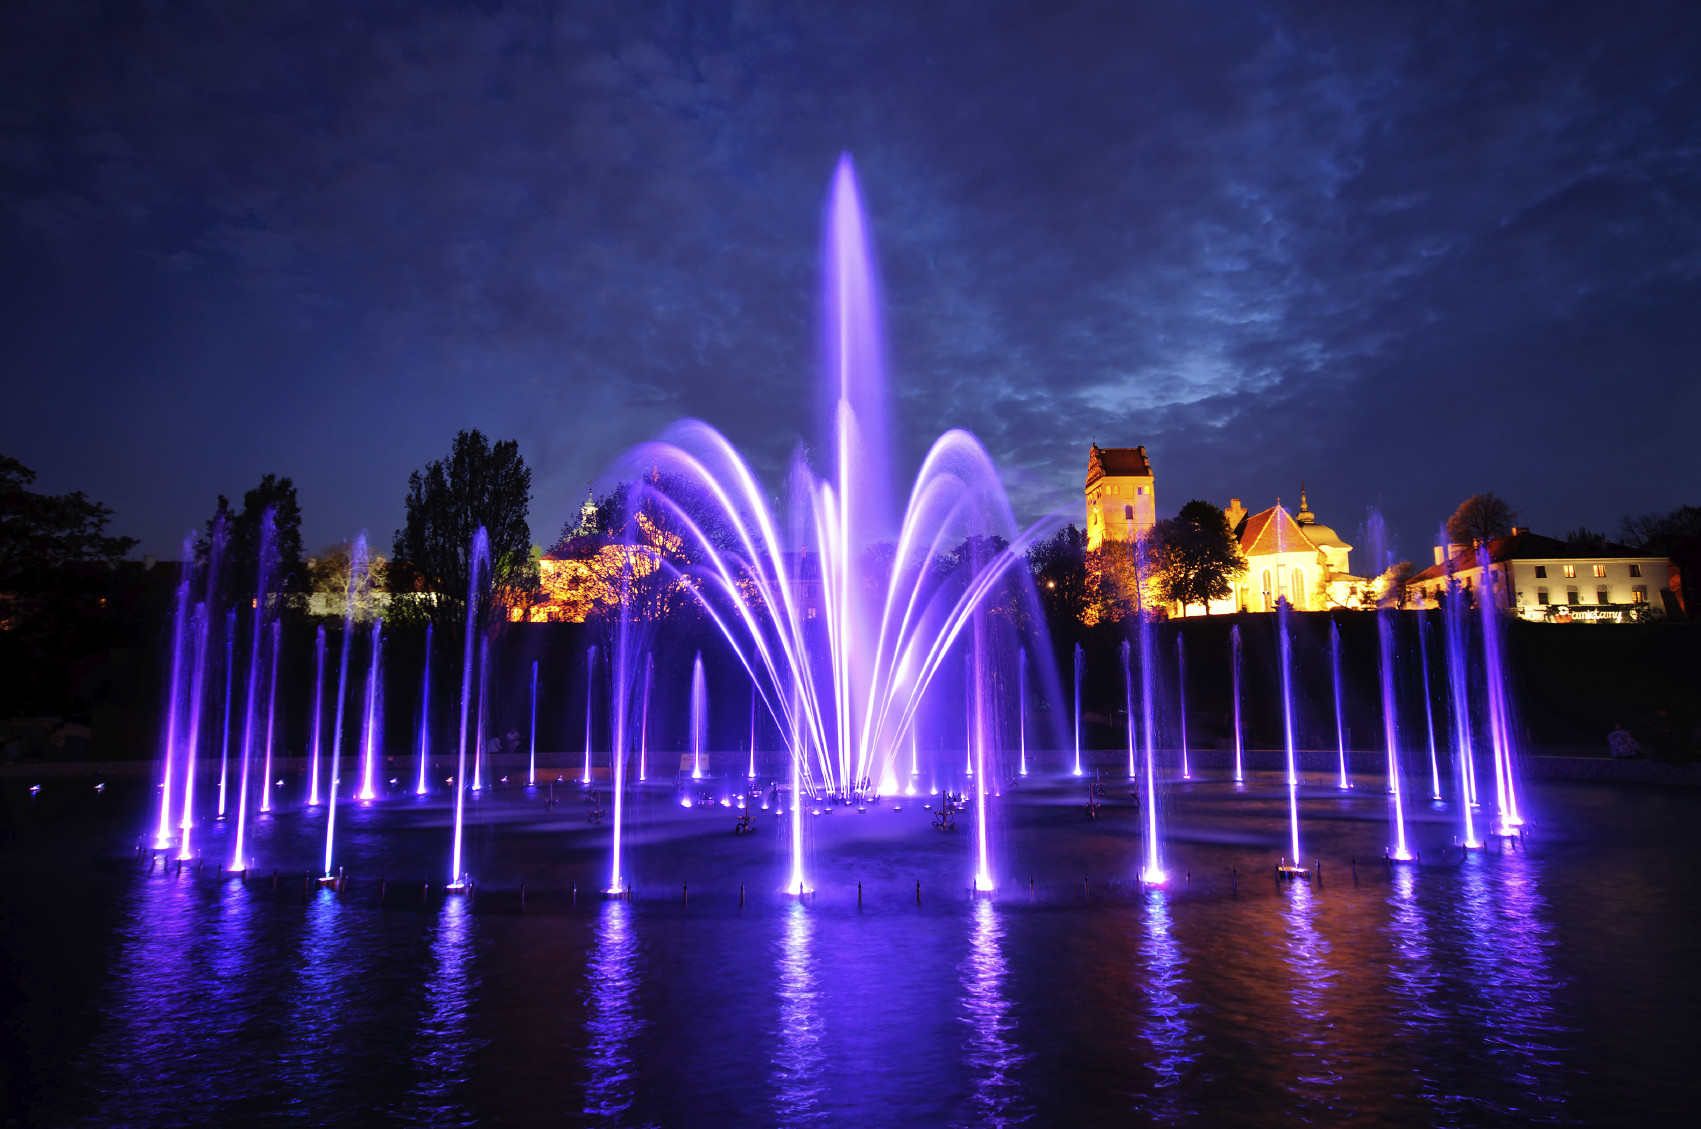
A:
(1542, 578)
(1121, 497)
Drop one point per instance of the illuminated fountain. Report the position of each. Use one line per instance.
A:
(1399, 851)
(1428, 708)
(313, 749)
(372, 717)
(1079, 663)
(478, 566)
(1458, 693)
(1181, 689)
(531, 731)
(268, 561)
(590, 707)
(842, 653)
(1284, 653)
(1340, 719)
(699, 716)
(357, 579)
(1152, 872)
(229, 677)
(174, 701)
(1496, 705)
(419, 788)
(1239, 729)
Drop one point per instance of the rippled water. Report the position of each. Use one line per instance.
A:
(1551, 985)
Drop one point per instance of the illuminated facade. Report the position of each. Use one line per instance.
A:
(1543, 578)
(1121, 503)
(1291, 557)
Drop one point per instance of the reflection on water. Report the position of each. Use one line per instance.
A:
(1414, 978)
(614, 1020)
(1508, 940)
(1165, 1025)
(1311, 976)
(798, 1058)
(992, 1056)
(445, 1044)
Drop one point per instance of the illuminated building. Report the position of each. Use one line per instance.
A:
(1121, 505)
(1543, 578)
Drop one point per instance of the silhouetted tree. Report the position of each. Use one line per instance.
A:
(1676, 535)
(1059, 567)
(1585, 538)
(240, 567)
(479, 483)
(1481, 517)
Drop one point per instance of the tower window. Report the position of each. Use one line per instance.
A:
(1139, 490)
(1127, 513)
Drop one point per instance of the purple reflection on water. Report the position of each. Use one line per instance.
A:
(799, 1060)
(991, 1054)
(1311, 976)
(1165, 1026)
(445, 1048)
(612, 1018)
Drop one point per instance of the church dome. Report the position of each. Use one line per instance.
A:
(1324, 537)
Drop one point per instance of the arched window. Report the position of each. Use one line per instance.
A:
(1267, 604)
(1127, 513)
(1299, 589)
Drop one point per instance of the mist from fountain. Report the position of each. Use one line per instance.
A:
(699, 716)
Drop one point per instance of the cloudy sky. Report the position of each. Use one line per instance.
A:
(1404, 252)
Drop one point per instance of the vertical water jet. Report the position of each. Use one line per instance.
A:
(318, 717)
(1390, 736)
(425, 713)
(1239, 729)
(1345, 781)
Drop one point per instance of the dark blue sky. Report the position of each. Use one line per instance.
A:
(1404, 252)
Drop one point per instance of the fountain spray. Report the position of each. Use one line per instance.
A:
(1181, 687)
(425, 713)
(373, 723)
(351, 594)
(478, 558)
(318, 716)
(1284, 648)
(1340, 718)
(531, 764)
(1239, 732)
(1079, 657)
(200, 628)
(1128, 704)
(224, 732)
(1497, 708)
(174, 691)
(590, 699)
(262, 589)
(1453, 624)
(1428, 706)
(1153, 873)
(1400, 852)
(983, 863)
(482, 729)
(752, 772)
(271, 719)
(699, 716)
(1022, 707)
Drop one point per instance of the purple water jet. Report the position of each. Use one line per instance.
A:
(372, 723)
(478, 566)
(1239, 729)
(1399, 851)
(1181, 690)
(425, 713)
(318, 717)
(355, 588)
(1345, 781)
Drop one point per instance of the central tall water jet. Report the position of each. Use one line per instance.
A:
(699, 716)
(1239, 729)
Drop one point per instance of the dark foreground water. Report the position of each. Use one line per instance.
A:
(1557, 984)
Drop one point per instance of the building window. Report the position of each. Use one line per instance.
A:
(1140, 490)
(1541, 572)
(1601, 596)
(1639, 594)
(1635, 570)
(1600, 571)
(1541, 595)
(1127, 513)
(1299, 589)
(1572, 597)
(1570, 572)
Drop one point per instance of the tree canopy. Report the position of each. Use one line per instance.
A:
(478, 484)
(1200, 556)
(40, 532)
(241, 563)
(1481, 517)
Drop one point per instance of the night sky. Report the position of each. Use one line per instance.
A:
(1405, 252)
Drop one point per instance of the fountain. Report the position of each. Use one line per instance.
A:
(699, 716)
(1079, 662)
(1284, 654)
(1152, 874)
(1398, 850)
(174, 703)
(419, 788)
(590, 706)
(751, 775)
(481, 729)
(478, 568)
(318, 716)
(199, 628)
(229, 676)
(531, 733)
(271, 718)
(262, 590)
(352, 593)
(1453, 624)
(1022, 710)
(1428, 707)
(1497, 709)
(1181, 689)
(1340, 719)
(644, 722)
(371, 744)
(1239, 729)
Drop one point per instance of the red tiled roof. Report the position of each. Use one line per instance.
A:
(1117, 462)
